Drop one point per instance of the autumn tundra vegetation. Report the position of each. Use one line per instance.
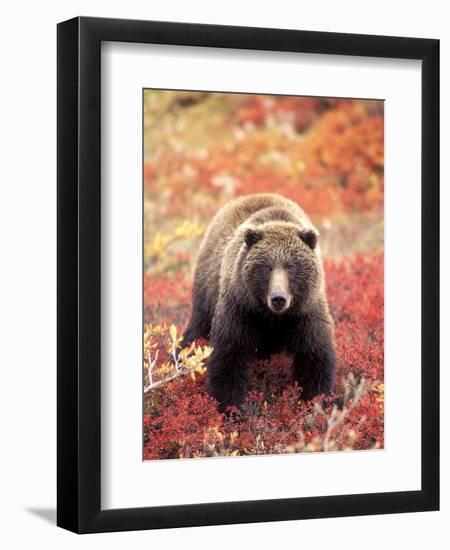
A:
(200, 151)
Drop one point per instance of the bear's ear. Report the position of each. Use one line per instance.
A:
(252, 236)
(309, 237)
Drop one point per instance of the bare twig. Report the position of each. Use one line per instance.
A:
(166, 379)
(337, 418)
(183, 360)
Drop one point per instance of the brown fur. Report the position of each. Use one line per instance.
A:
(246, 242)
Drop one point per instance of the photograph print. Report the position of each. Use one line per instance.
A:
(263, 282)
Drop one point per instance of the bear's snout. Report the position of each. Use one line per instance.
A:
(279, 296)
(278, 300)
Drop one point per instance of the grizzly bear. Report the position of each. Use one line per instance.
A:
(259, 290)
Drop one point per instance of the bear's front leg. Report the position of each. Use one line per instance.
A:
(232, 342)
(227, 378)
(315, 356)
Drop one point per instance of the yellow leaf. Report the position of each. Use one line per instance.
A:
(173, 333)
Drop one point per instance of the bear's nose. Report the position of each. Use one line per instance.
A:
(278, 300)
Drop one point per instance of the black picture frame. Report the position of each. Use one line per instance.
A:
(79, 281)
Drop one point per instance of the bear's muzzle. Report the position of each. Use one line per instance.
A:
(279, 297)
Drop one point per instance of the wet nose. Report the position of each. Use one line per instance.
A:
(278, 300)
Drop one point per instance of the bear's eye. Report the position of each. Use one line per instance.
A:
(266, 268)
(290, 267)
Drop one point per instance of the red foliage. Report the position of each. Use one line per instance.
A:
(181, 420)
(167, 298)
(330, 160)
(301, 111)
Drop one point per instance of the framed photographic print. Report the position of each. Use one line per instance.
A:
(248, 274)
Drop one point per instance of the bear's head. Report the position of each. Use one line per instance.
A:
(281, 268)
